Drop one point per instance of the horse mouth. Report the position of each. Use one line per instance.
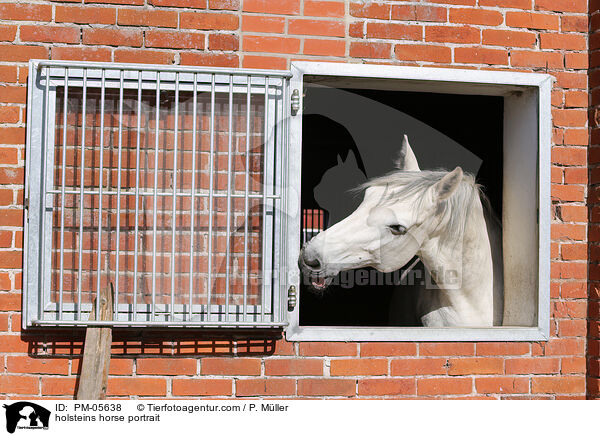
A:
(320, 283)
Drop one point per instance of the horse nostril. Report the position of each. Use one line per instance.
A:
(313, 263)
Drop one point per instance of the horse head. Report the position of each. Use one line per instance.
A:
(387, 229)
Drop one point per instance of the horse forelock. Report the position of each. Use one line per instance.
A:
(453, 211)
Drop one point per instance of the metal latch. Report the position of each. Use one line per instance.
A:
(292, 299)
(295, 100)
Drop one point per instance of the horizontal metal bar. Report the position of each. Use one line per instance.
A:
(160, 194)
(161, 68)
(159, 324)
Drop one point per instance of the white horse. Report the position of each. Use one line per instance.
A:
(435, 215)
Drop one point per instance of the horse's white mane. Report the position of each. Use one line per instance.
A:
(453, 210)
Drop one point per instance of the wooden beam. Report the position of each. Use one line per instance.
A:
(96, 352)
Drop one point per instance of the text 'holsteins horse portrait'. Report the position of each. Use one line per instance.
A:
(439, 216)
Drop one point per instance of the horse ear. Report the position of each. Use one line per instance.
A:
(406, 159)
(448, 184)
(351, 159)
(339, 160)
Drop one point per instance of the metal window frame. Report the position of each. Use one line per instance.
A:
(37, 309)
(535, 89)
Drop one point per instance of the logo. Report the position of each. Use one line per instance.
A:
(26, 415)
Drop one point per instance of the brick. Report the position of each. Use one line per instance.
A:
(59, 386)
(144, 56)
(116, 37)
(569, 117)
(317, 8)
(475, 365)
(208, 21)
(11, 176)
(150, 18)
(370, 50)
(25, 12)
(516, 4)
(419, 13)
(449, 34)
(98, 54)
(358, 367)
(532, 20)
(324, 47)
(264, 387)
(562, 5)
(219, 41)
(259, 24)
(388, 386)
(536, 59)
(65, 35)
(385, 349)
(563, 41)
(573, 290)
(573, 365)
(576, 99)
(13, 344)
(446, 349)
(11, 259)
(8, 73)
(444, 386)
(502, 385)
(210, 59)
(328, 349)
(426, 366)
(203, 387)
(174, 39)
(356, 29)
(271, 44)
(264, 62)
(140, 386)
(13, 94)
(502, 348)
(9, 156)
(576, 61)
(370, 10)
(572, 327)
(326, 387)
(482, 17)
(576, 175)
(224, 366)
(193, 4)
(85, 15)
(480, 55)
(8, 33)
(394, 31)
(29, 365)
(9, 301)
(569, 155)
(531, 365)
(556, 384)
(230, 5)
(508, 38)
(294, 367)
(316, 27)
(22, 53)
(119, 2)
(574, 23)
(565, 346)
(19, 384)
(282, 7)
(167, 366)
(570, 79)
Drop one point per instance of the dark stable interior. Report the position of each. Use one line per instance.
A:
(475, 122)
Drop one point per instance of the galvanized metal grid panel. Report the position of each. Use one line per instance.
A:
(164, 182)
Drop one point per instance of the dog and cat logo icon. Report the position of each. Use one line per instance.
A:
(26, 415)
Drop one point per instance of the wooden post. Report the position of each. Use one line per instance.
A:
(96, 352)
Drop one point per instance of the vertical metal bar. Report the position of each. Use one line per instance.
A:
(81, 183)
(228, 224)
(193, 200)
(137, 195)
(117, 247)
(155, 199)
(210, 192)
(62, 196)
(174, 205)
(246, 192)
(43, 190)
(99, 262)
(279, 240)
(264, 199)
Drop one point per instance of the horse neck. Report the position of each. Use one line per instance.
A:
(463, 272)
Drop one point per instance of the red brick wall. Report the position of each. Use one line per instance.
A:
(523, 35)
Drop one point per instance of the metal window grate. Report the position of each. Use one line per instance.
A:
(164, 182)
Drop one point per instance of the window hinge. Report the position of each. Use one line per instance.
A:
(295, 101)
(292, 300)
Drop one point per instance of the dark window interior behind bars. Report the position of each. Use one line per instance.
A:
(474, 122)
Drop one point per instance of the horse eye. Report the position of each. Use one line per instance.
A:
(397, 229)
